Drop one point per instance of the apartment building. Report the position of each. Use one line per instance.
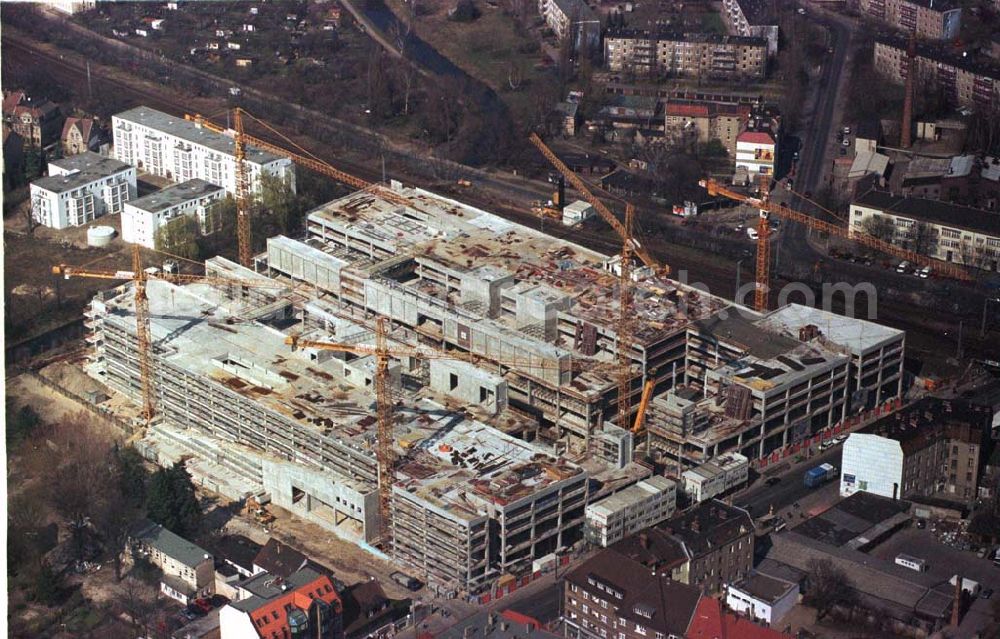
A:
(716, 477)
(932, 19)
(686, 55)
(965, 79)
(707, 120)
(751, 18)
(188, 571)
(182, 150)
(143, 217)
(626, 512)
(717, 540)
(613, 597)
(304, 604)
(942, 230)
(81, 188)
(572, 19)
(38, 122)
(932, 447)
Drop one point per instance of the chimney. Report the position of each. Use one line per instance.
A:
(957, 604)
(906, 139)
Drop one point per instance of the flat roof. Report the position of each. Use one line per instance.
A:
(856, 335)
(675, 36)
(934, 211)
(764, 587)
(944, 53)
(84, 168)
(174, 195)
(191, 132)
(633, 494)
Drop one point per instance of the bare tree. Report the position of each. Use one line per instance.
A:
(829, 587)
(138, 599)
(879, 227)
(922, 237)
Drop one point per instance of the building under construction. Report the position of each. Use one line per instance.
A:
(497, 458)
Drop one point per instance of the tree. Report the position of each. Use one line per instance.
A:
(21, 422)
(179, 237)
(139, 602)
(829, 586)
(879, 227)
(464, 11)
(172, 502)
(922, 237)
(46, 584)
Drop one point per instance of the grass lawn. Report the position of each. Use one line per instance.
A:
(484, 48)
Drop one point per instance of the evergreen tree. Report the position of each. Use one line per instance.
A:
(172, 501)
(47, 584)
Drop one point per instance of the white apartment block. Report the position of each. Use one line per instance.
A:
(181, 150)
(715, 477)
(80, 189)
(143, 217)
(756, 151)
(640, 506)
(953, 233)
(745, 18)
(934, 19)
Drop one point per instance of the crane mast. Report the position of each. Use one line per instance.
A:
(384, 413)
(142, 334)
(947, 269)
(244, 240)
(762, 291)
(624, 337)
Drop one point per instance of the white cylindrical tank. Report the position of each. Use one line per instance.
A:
(100, 235)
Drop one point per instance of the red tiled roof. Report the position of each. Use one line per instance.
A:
(272, 616)
(755, 137)
(13, 99)
(711, 622)
(694, 110)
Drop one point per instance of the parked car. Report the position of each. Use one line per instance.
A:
(840, 439)
(925, 272)
(772, 481)
(847, 130)
(986, 594)
(202, 604)
(904, 267)
(219, 601)
(752, 233)
(846, 142)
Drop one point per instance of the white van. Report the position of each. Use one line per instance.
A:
(752, 234)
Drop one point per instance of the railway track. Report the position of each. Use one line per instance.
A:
(717, 273)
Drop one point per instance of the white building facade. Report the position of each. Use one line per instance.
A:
(81, 189)
(142, 218)
(950, 232)
(716, 477)
(873, 464)
(756, 152)
(182, 150)
(762, 598)
(617, 516)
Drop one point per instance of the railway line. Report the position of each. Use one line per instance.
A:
(498, 195)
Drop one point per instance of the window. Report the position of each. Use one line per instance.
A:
(586, 609)
(572, 588)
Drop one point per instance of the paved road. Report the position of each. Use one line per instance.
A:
(761, 497)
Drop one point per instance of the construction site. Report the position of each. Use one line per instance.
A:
(441, 385)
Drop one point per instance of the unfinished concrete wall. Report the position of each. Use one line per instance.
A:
(323, 497)
(469, 384)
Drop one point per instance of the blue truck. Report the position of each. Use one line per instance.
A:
(819, 475)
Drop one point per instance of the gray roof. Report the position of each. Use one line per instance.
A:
(742, 332)
(489, 625)
(933, 211)
(264, 586)
(89, 167)
(171, 545)
(189, 131)
(765, 587)
(174, 195)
